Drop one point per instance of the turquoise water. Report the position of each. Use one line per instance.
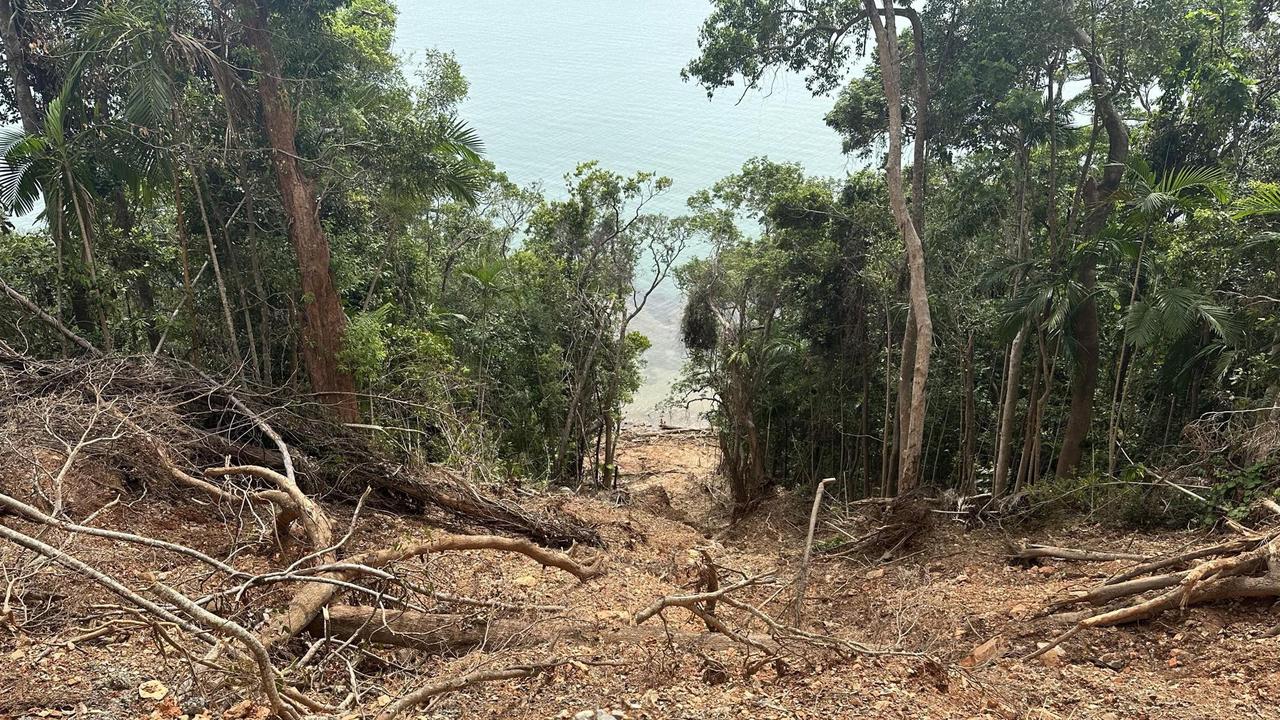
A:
(559, 82)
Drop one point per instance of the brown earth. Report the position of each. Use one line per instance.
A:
(936, 601)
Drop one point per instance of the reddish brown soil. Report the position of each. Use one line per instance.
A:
(944, 595)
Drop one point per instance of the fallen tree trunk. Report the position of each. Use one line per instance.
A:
(313, 597)
(443, 632)
(1236, 546)
(1233, 575)
(429, 632)
(1033, 552)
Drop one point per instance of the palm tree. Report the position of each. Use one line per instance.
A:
(1150, 199)
(49, 164)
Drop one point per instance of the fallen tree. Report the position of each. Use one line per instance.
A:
(1247, 567)
(171, 431)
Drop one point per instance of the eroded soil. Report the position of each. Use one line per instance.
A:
(934, 601)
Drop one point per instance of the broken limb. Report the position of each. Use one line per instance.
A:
(308, 602)
(34, 515)
(426, 692)
(690, 601)
(266, 671)
(1213, 580)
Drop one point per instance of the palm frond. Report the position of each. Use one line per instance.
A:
(1185, 179)
(460, 139)
(1265, 200)
(1173, 312)
(1183, 187)
(19, 155)
(150, 96)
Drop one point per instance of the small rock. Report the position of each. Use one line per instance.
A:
(1053, 658)
(984, 652)
(152, 690)
(1113, 661)
(193, 706)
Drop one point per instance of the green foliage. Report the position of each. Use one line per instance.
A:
(1131, 501)
(699, 330)
(1239, 490)
(495, 322)
(364, 352)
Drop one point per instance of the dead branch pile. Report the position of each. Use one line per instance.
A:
(204, 423)
(899, 522)
(80, 438)
(1242, 438)
(1243, 567)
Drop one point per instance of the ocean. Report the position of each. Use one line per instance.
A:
(559, 82)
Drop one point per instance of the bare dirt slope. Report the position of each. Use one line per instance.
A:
(942, 596)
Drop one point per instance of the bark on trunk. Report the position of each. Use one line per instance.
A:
(1013, 366)
(15, 60)
(890, 66)
(324, 324)
(969, 427)
(1085, 324)
(1008, 412)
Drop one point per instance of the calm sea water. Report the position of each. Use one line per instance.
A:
(558, 82)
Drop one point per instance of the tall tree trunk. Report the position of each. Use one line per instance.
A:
(575, 400)
(229, 324)
(15, 59)
(890, 66)
(324, 324)
(902, 414)
(237, 280)
(99, 298)
(1098, 197)
(864, 430)
(1033, 409)
(887, 447)
(968, 425)
(1008, 413)
(1013, 366)
(259, 284)
(611, 399)
(1120, 388)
